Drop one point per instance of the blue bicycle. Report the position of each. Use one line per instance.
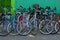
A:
(13, 26)
(5, 22)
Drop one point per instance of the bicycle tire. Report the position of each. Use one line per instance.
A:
(20, 30)
(35, 28)
(41, 26)
(10, 29)
(3, 32)
(55, 27)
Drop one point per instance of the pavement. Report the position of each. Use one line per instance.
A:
(32, 37)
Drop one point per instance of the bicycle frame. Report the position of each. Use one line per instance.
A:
(15, 19)
(33, 18)
(6, 17)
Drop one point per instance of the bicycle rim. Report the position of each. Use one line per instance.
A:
(49, 27)
(24, 30)
(55, 27)
(35, 28)
(42, 27)
(2, 31)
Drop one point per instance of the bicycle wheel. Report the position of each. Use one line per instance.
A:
(42, 27)
(55, 27)
(9, 28)
(49, 27)
(24, 28)
(12, 30)
(35, 27)
(3, 31)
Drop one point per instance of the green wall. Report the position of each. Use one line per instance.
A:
(5, 3)
(27, 3)
(13, 6)
(43, 3)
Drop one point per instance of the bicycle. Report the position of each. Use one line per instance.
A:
(24, 26)
(44, 23)
(5, 22)
(12, 28)
(54, 22)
